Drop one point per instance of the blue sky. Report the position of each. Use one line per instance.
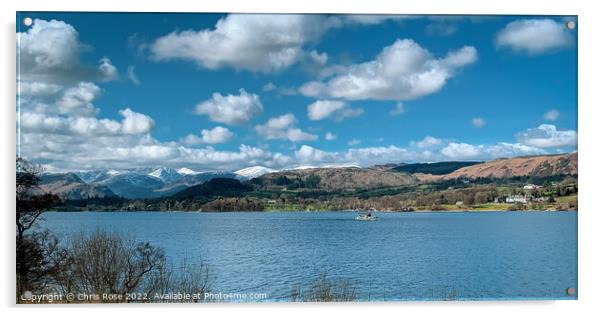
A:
(217, 91)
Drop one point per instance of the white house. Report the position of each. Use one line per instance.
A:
(531, 187)
(516, 199)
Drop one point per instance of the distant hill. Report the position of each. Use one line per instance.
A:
(333, 179)
(191, 180)
(253, 172)
(436, 168)
(132, 185)
(387, 166)
(70, 187)
(217, 187)
(531, 166)
(149, 182)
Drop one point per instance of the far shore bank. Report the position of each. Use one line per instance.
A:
(485, 210)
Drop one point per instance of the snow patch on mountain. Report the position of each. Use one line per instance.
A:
(113, 172)
(187, 172)
(253, 172)
(165, 174)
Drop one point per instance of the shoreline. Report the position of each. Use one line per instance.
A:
(317, 211)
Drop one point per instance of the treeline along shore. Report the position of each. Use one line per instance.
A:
(522, 183)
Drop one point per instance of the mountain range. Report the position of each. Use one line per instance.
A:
(163, 181)
(132, 184)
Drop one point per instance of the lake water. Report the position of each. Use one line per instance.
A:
(402, 256)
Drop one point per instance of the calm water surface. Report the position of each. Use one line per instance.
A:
(403, 256)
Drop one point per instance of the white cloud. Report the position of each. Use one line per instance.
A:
(308, 154)
(254, 42)
(135, 123)
(108, 71)
(427, 142)
(231, 109)
(547, 136)
(354, 156)
(398, 109)
(461, 151)
(319, 58)
(50, 52)
(330, 136)
(77, 100)
(37, 89)
(478, 122)
(402, 71)
(49, 44)
(338, 110)
(551, 115)
(132, 124)
(534, 36)
(504, 149)
(217, 135)
(132, 75)
(283, 127)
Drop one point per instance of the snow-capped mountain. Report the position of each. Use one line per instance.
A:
(113, 172)
(153, 182)
(303, 167)
(165, 174)
(253, 172)
(187, 172)
(91, 176)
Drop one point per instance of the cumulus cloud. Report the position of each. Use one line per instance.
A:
(283, 127)
(217, 135)
(36, 89)
(547, 136)
(254, 42)
(551, 115)
(478, 122)
(461, 151)
(49, 51)
(330, 136)
(402, 71)
(338, 110)
(367, 156)
(131, 152)
(107, 70)
(133, 123)
(427, 142)
(534, 36)
(231, 109)
(77, 100)
(77, 143)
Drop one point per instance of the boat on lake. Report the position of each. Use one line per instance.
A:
(366, 216)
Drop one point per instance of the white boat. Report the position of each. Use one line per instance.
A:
(367, 216)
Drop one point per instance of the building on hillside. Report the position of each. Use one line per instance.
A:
(531, 187)
(516, 199)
